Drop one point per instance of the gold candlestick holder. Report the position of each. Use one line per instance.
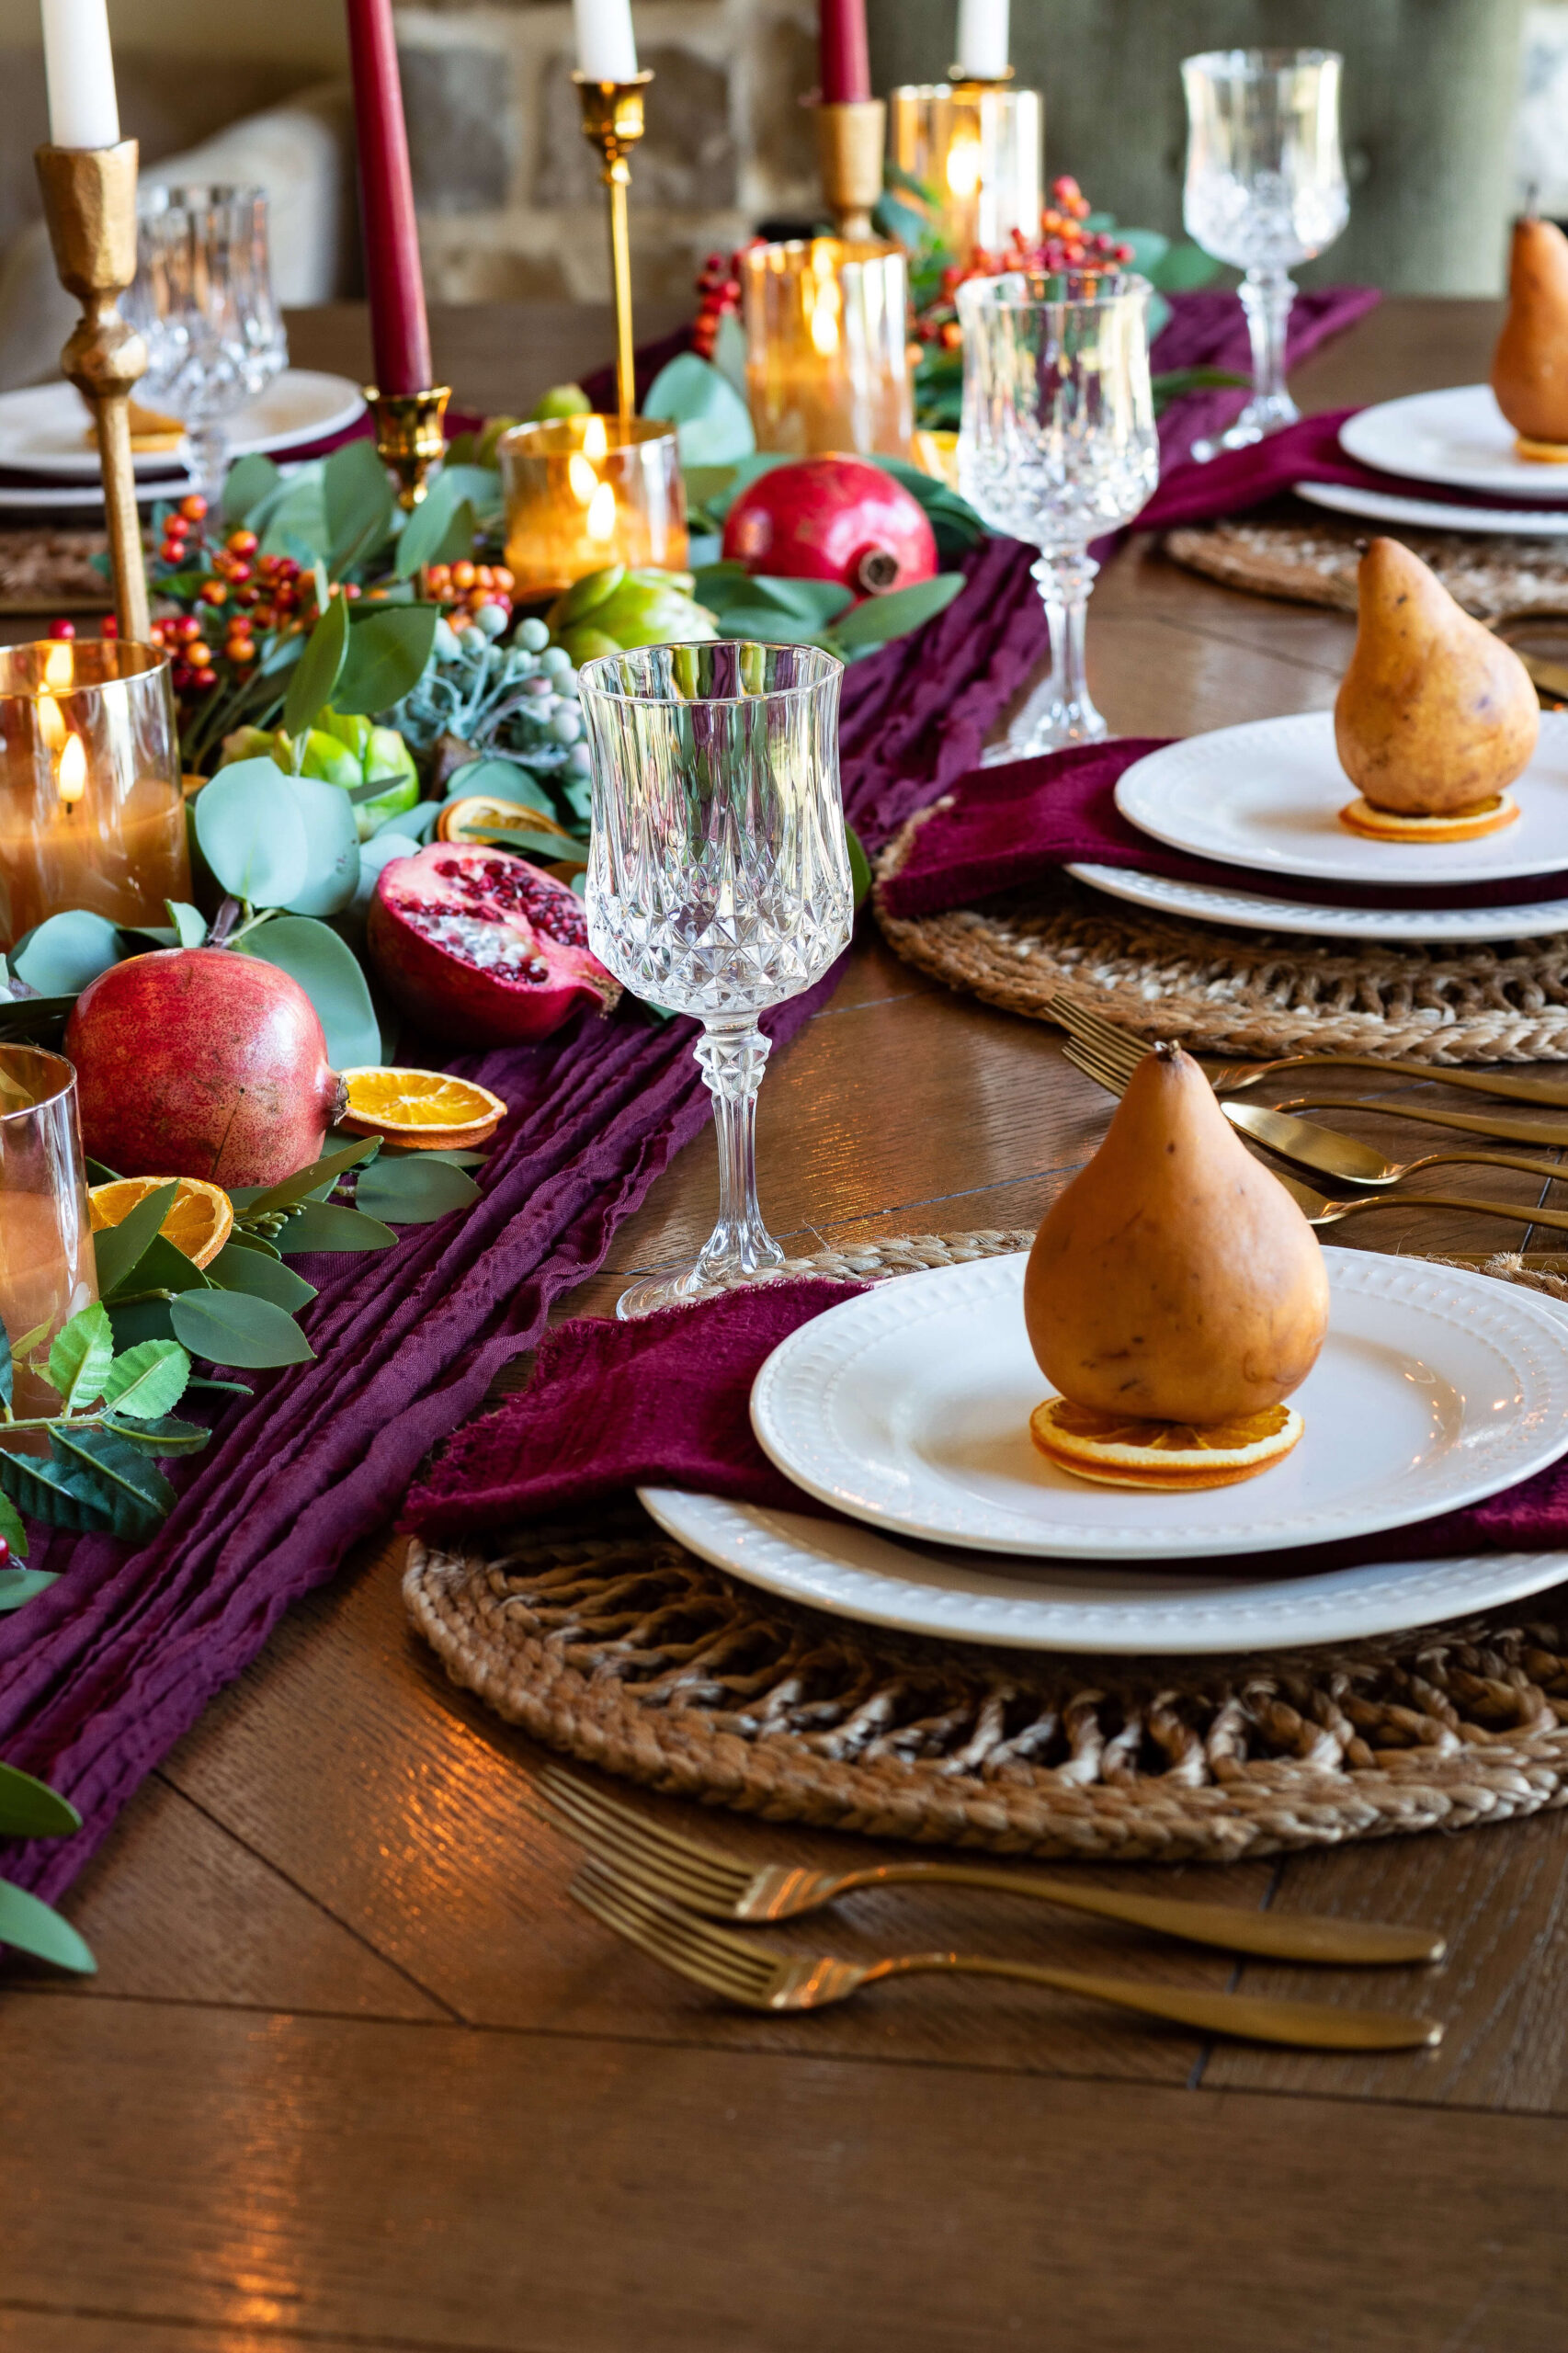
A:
(410, 435)
(612, 121)
(89, 201)
(850, 135)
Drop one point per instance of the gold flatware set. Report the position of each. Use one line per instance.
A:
(667, 1892)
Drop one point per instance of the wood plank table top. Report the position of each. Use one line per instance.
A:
(355, 2074)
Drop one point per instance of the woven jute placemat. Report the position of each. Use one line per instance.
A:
(1314, 562)
(1254, 993)
(608, 1641)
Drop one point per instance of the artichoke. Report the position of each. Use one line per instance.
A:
(612, 611)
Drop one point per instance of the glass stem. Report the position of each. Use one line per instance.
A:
(733, 1058)
(1060, 710)
(1266, 296)
(209, 459)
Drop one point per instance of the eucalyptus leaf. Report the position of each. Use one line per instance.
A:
(316, 675)
(332, 841)
(33, 1926)
(359, 503)
(241, 1269)
(147, 1382)
(250, 480)
(252, 835)
(61, 955)
(768, 626)
(18, 1585)
(79, 1358)
(160, 1268)
(712, 422)
(133, 1489)
(189, 923)
(100, 1173)
(120, 1248)
(422, 534)
(388, 654)
(332, 977)
(414, 1190)
(456, 540)
(902, 610)
(325, 1225)
(31, 1809)
(257, 1244)
(230, 1327)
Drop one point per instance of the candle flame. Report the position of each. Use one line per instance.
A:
(963, 166)
(821, 299)
(50, 724)
(59, 670)
(601, 513)
(596, 440)
(73, 773)
(824, 327)
(585, 481)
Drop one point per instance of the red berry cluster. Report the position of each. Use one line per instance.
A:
(1063, 243)
(718, 292)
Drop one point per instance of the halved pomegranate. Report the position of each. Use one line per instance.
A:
(480, 946)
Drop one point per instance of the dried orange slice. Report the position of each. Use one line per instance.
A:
(480, 813)
(1360, 816)
(1122, 1450)
(428, 1110)
(200, 1217)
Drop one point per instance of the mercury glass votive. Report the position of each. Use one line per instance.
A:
(982, 146)
(47, 1273)
(92, 813)
(827, 347)
(583, 492)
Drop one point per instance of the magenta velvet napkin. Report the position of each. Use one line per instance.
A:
(666, 1401)
(1020, 822)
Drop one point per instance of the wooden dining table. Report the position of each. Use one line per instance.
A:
(354, 2071)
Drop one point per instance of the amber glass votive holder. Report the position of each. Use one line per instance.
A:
(46, 1273)
(827, 347)
(92, 813)
(981, 145)
(583, 492)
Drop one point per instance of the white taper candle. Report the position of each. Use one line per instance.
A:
(983, 39)
(606, 49)
(79, 67)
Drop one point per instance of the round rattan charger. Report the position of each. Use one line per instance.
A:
(608, 1641)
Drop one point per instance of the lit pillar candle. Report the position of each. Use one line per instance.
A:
(846, 59)
(79, 68)
(606, 49)
(395, 283)
(983, 40)
(47, 1272)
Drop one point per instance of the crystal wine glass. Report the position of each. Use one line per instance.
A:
(717, 878)
(1264, 189)
(204, 304)
(1057, 448)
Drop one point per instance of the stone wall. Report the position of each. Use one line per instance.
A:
(508, 191)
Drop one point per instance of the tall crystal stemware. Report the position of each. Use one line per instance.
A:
(204, 303)
(1264, 189)
(718, 878)
(1057, 447)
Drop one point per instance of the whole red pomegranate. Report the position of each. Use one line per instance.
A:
(832, 519)
(480, 946)
(201, 1062)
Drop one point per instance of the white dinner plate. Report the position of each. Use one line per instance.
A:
(1250, 911)
(1435, 514)
(909, 1407)
(42, 427)
(1459, 436)
(84, 498)
(1065, 1606)
(1267, 795)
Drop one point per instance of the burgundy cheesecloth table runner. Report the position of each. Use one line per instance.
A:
(101, 1674)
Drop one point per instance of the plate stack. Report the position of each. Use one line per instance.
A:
(1456, 439)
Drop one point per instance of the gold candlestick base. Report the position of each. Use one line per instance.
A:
(89, 201)
(850, 137)
(612, 121)
(962, 81)
(410, 437)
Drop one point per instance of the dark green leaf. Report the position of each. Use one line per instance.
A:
(228, 1327)
(425, 529)
(359, 503)
(252, 835)
(31, 1809)
(148, 1319)
(163, 1267)
(35, 1928)
(456, 540)
(387, 657)
(12, 1529)
(118, 1249)
(263, 1278)
(323, 1225)
(18, 1585)
(555, 847)
(413, 1189)
(166, 1435)
(50, 1491)
(79, 1358)
(249, 1198)
(332, 977)
(133, 1489)
(100, 1173)
(257, 1244)
(61, 955)
(147, 1382)
(228, 1388)
(768, 626)
(250, 480)
(881, 618)
(860, 865)
(311, 687)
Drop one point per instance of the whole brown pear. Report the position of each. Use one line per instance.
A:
(1175, 1278)
(1529, 366)
(1435, 715)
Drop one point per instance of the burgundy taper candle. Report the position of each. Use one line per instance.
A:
(400, 337)
(846, 60)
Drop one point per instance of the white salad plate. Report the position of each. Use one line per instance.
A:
(1147, 1610)
(43, 427)
(1459, 436)
(1435, 514)
(1250, 911)
(1267, 795)
(908, 1407)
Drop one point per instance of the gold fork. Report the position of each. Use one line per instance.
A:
(1322, 1150)
(1547, 1133)
(1234, 1078)
(759, 1977)
(707, 1880)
